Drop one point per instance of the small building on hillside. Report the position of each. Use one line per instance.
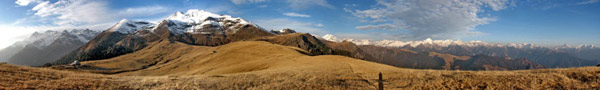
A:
(75, 63)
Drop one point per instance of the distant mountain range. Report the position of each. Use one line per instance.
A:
(584, 55)
(45, 47)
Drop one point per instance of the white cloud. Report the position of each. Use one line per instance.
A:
(148, 10)
(379, 27)
(73, 12)
(303, 4)
(294, 4)
(281, 23)
(358, 36)
(86, 12)
(350, 5)
(292, 14)
(420, 19)
(25, 2)
(263, 6)
(12, 34)
(68, 15)
(588, 2)
(238, 2)
(319, 25)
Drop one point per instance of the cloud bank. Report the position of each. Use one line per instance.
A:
(292, 14)
(238, 2)
(303, 4)
(588, 2)
(83, 12)
(420, 19)
(281, 23)
(294, 4)
(68, 15)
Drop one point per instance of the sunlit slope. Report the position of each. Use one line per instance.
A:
(172, 58)
(14, 77)
(261, 65)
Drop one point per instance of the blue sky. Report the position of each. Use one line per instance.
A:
(541, 22)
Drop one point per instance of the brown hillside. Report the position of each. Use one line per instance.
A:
(262, 65)
(448, 58)
(301, 40)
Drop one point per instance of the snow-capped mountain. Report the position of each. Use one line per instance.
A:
(127, 27)
(405, 58)
(40, 40)
(201, 22)
(589, 52)
(47, 46)
(446, 43)
(565, 57)
(195, 27)
(283, 31)
(428, 41)
(124, 37)
(585, 46)
(589, 46)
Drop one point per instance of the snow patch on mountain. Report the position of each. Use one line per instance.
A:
(199, 21)
(84, 35)
(127, 27)
(41, 40)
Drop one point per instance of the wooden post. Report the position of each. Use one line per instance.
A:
(380, 81)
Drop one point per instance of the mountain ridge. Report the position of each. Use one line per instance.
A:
(550, 57)
(42, 48)
(195, 27)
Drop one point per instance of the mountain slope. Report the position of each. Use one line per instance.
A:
(432, 60)
(9, 51)
(262, 65)
(195, 27)
(561, 57)
(483, 62)
(589, 52)
(50, 46)
(304, 41)
(173, 58)
(124, 37)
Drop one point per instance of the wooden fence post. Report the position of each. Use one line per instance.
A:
(380, 81)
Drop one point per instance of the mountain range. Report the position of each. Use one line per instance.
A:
(45, 47)
(201, 28)
(584, 55)
(195, 27)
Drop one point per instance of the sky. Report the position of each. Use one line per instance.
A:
(541, 22)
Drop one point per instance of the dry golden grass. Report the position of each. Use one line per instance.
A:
(261, 65)
(410, 51)
(448, 58)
